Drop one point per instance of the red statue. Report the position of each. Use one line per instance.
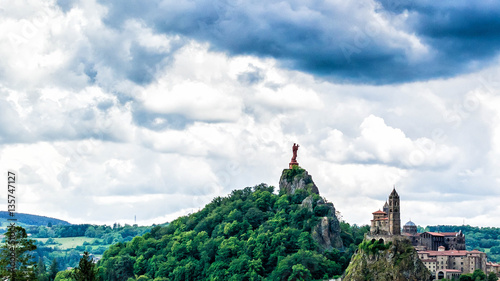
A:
(294, 162)
(295, 147)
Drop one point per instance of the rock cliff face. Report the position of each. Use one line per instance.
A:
(327, 231)
(399, 262)
(297, 178)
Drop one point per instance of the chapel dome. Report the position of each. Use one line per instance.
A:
(410, 223)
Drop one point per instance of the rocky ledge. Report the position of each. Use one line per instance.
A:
(397, 260)
(327, 231)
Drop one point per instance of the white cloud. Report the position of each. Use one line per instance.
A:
(195, 100)
(380, 143)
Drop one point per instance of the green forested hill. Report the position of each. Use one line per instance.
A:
(252, 234)
(30, 220)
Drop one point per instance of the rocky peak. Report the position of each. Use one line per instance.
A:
(296, 178)
(327, 231)
(396, 260)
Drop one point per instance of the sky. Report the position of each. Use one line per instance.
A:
(115, 110)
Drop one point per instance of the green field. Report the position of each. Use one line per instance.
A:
(70, 242)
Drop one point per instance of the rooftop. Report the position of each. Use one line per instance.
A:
(450, 253)
(453, 270)
(449, 233)
(410, 223)
(394, 193)
(435, 233)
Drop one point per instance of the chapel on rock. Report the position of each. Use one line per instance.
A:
(388, 221)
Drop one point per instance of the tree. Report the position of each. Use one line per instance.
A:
(90, 232)
(466, 277)
(300, 272)
(41, 271)
(492, 276)
(53, 269)
(495, 250)
(478, 274)
(85, 271)
(64, 275)
(19, 246)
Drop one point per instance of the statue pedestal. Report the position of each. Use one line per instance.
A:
(293, 163)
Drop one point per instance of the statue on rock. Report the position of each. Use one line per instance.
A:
(298, 184)
(294, 162)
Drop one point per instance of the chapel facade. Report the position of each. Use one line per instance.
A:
(388, 221)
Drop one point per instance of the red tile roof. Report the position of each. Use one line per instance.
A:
(450, 252)
(435, 233)
(449, 233)
(475, 251)
(453, 270)
(379, 212)
(445, 253)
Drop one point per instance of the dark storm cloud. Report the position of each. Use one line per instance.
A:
(459, 30)
(337, 41)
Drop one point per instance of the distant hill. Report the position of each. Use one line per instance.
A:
(32, 220)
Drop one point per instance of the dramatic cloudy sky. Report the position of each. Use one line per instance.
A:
(111, 109)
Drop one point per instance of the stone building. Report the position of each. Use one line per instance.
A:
(492, 267)
(411, 232)
(452, 263)
(443, 253)
(387, 222)
(410, 228)
(380, 223)
(433, 240)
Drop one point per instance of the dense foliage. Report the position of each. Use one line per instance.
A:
(253, 234)
(374, 246)
(16, 259)
(478, 275)
(103, 236)
(109, 234)
(485, 239)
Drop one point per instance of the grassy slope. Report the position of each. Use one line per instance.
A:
(69, 242)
